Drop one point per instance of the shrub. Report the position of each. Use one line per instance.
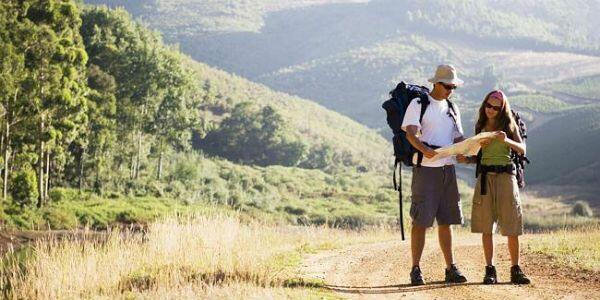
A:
(94, 219)
(184, 171)
(57, 218)
(177, 189)
(135, 188)
(355, 221)
(24, 186)
(319, 157)
(113, 195)
(383, 197)
(126, 217)
(582, 208)
(62, 194)
(294, 210)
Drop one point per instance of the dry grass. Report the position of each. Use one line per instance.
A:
(542, 214)
(202, 256)
(577, 248)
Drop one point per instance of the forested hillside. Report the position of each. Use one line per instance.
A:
(346, 55)
(95, 102)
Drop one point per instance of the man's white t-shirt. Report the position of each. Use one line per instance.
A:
(437, 127)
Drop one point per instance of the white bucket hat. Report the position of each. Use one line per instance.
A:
(446, 74)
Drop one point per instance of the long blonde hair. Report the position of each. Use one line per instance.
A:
(506, 121)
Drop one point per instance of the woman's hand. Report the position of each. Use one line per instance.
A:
(485, 142)
(501, 136)
(461, 159)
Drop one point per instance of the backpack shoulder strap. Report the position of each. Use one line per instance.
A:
(452, 112)
(424, 101)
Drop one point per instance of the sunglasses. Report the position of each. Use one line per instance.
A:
(496, 108)
(448, 86)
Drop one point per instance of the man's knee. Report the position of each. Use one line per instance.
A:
(418, 228)
(445, 231)
(444, 227)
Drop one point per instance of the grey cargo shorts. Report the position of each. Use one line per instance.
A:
(435, 196)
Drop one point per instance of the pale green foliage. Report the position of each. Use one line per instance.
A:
(538, 103)
(587, 87)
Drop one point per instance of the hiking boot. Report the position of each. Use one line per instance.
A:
(416, 276)
(517, 276)
(490, 275)
(454, 275)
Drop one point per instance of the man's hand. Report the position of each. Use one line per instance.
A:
(461, 159)
(429, 153)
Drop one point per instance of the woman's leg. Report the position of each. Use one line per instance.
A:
(490, 276)
(513, 249)
(488, 248)
(516, 274)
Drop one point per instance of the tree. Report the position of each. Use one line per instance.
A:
(149, 79)
(55, 63)
(99, 137)
(11, 77)
(177, 114)
(254, 136)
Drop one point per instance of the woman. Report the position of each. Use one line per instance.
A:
(496, 200)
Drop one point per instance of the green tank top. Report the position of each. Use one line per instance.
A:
(496, 153)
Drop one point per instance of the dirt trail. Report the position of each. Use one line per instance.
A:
(380, 270)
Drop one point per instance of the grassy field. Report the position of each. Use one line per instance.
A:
(218, 256)
(278, 195)
(579, 248)
(200, 256)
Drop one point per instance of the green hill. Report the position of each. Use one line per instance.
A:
(584, 87)
(121, 127)
(344, 81)
(346, 56)
(564, 145)
(353, 143)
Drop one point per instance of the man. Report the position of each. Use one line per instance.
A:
(434, 188)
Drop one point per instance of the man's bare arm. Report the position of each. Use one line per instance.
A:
(411, 136)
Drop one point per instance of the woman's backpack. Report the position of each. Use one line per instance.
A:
(518, 160)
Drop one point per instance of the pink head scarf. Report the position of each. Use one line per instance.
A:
(498, 94)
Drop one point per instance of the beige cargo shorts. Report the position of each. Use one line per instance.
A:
(500, 206)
